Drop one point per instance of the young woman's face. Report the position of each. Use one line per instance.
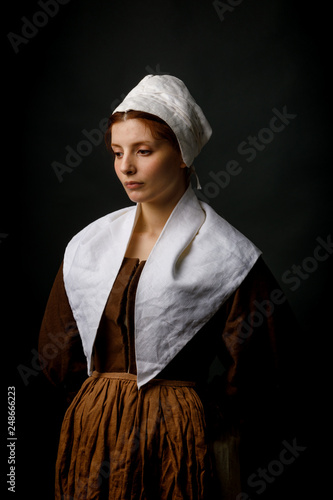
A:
(150, 169)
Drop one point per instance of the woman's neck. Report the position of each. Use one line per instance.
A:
(150, 223)
(153, 217)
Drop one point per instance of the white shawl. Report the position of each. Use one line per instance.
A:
(198, 261)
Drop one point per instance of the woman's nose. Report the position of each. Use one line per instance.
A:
(127, 164)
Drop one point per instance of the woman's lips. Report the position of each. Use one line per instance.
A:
(133, 185)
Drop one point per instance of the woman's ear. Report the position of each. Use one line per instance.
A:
(182, 163)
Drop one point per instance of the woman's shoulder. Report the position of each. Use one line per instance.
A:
(98, 235)
(221, 234)
(98, 225)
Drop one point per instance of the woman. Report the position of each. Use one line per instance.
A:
(156, 291)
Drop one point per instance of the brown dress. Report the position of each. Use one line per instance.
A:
(162, 441)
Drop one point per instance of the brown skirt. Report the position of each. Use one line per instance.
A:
(121, 443)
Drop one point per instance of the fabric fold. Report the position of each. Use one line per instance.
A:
(119, 442)
(198, 261)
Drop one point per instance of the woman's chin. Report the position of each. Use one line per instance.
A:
(135, 195)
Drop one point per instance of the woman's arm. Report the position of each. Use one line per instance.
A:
(259, 353)
(60, 347)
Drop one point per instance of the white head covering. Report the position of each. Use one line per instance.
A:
(168, 98)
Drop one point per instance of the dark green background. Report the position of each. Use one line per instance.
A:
(69, 76)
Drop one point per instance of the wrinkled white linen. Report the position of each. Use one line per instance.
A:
(168, 98)
(198, 261)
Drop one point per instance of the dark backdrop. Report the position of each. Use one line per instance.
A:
(66, 68)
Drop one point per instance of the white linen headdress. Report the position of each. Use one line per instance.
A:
(168, 98)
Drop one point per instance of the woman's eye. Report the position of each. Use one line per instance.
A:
(144, 152)
(117, 154)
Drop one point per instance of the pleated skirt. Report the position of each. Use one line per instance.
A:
(121, 443)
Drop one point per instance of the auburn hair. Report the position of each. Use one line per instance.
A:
(158, 128)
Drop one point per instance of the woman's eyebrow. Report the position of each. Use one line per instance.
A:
(134, 144)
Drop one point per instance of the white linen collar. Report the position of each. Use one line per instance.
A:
(198, 261)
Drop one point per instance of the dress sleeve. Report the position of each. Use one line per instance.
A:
(60, 348)
(258, 343)
(258, 352)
